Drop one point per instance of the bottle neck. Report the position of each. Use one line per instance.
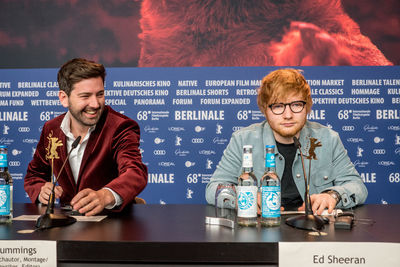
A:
(247, 163)
(247, 169)
(270, 169)
(270, 162)
(3, 161)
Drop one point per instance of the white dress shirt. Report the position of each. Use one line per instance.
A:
(75, 158)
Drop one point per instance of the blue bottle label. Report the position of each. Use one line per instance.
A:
(270, 160)
(3, 160)
(271, 201)
(4, 199)
(247, 201)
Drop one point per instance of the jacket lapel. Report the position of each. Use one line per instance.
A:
(91, 145)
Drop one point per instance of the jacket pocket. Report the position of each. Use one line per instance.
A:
(322, 178)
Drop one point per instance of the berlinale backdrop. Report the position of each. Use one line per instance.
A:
(188, 73)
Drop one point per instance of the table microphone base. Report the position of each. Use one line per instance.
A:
(53, 220)
(306, 222)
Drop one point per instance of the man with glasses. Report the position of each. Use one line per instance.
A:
(285, 99)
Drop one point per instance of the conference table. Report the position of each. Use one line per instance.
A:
(152, 235)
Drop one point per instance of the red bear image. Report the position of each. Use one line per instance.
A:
(252, 33)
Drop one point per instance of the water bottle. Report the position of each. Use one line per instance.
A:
(6, 188)
(247, 191)
(270, 191)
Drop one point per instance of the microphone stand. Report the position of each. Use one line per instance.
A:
(49, 219)
(308, 221)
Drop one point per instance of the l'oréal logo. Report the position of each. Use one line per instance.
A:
(386, 163)
(394, 128)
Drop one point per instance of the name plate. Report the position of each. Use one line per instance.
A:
(28, 253)
(334, 254)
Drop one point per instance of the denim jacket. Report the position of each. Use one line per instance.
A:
(324, 154)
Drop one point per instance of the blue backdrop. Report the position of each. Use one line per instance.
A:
(187, 116)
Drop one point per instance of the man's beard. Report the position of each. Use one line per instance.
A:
(288, 133)
(79, 117)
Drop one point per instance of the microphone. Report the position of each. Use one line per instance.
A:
(307, 200)
(49, 219)
(308, 221)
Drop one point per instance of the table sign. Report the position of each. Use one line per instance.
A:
(28, 253)
(332, 254)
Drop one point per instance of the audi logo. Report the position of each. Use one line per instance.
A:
(348, 128)
(24, 129)
(379, 151)
(14, 163)
(236, 128)
(197, 140)
(159, 152)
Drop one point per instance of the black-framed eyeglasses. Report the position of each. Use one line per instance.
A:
(295, 107)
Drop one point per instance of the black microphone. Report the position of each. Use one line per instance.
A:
(49, 219)
(50, 204)
(308, 221)
(73, 146)
(307, 200)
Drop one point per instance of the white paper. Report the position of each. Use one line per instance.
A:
(333, 254)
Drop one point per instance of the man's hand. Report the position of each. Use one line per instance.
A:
(90, 202)
(45, 192)
(319, 202)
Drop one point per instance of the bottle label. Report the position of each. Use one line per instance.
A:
(270, 160)
(4, 199)
(247, 160)
(247, 201)
(3, 160)
(271, 201)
